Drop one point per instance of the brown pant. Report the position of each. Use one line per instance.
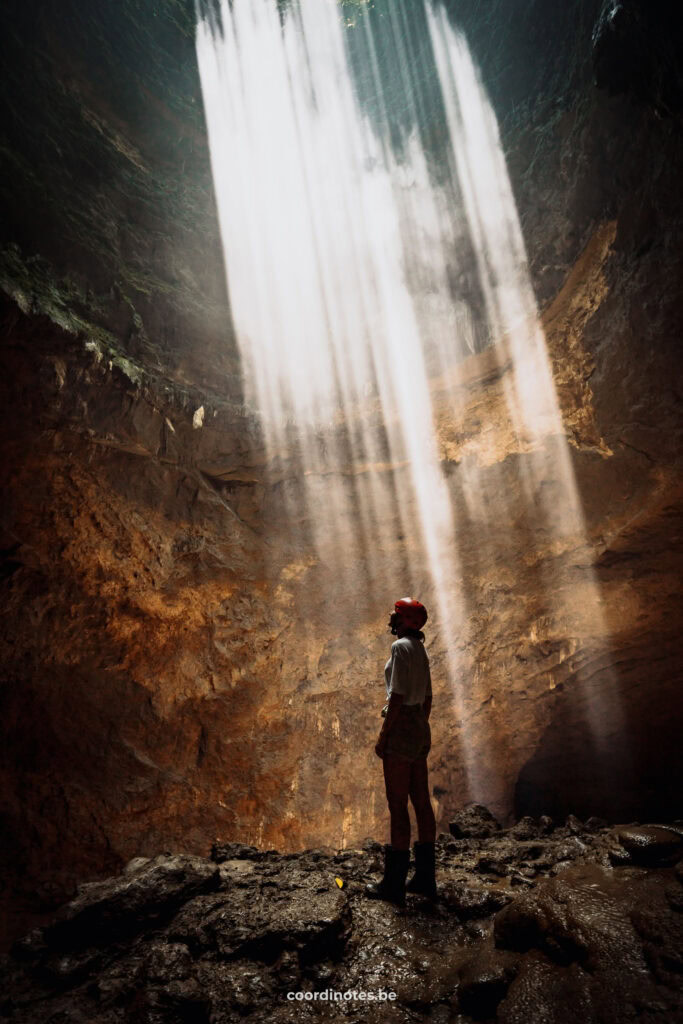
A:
(402, 779)
(410, 735)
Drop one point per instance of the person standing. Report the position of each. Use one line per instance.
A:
(403, 745)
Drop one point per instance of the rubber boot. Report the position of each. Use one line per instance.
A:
(393, 885)
(424, 879)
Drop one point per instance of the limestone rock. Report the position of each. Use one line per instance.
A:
(484, 982)
(473, 822)
(651, 844)
(105, 911)
(475, 901)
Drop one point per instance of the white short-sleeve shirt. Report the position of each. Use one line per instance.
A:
(407, 671)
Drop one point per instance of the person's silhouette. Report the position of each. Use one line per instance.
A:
(403, 744)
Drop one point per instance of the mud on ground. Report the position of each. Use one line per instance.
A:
(581, 922)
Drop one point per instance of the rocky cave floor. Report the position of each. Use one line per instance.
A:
(581, 922)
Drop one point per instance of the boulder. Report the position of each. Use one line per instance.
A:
(295, 910)
(651, 844)
(484, 980)
(474, 821)
(526, 828)
(234, 851)
(471, 901)
(117, 907)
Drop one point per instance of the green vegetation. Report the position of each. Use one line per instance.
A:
(32, 284)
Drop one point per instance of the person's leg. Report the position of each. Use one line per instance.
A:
(418, 788)
(424, 879)
(397, 856)
(397, 772)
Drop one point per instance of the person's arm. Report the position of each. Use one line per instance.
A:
(397, 688)
(427, 705)
(395, 702)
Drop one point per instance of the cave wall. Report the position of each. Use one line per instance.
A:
(160, 686)
(109, 220)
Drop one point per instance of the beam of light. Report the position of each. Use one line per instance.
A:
(341, 257)
(310, 203)
(548, 479)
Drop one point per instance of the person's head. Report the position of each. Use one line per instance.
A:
(408, 618)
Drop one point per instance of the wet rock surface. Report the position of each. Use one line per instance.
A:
(555, 933)
(650, 844)
(473, 822)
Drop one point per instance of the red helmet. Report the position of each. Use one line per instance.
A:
(412, 614)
